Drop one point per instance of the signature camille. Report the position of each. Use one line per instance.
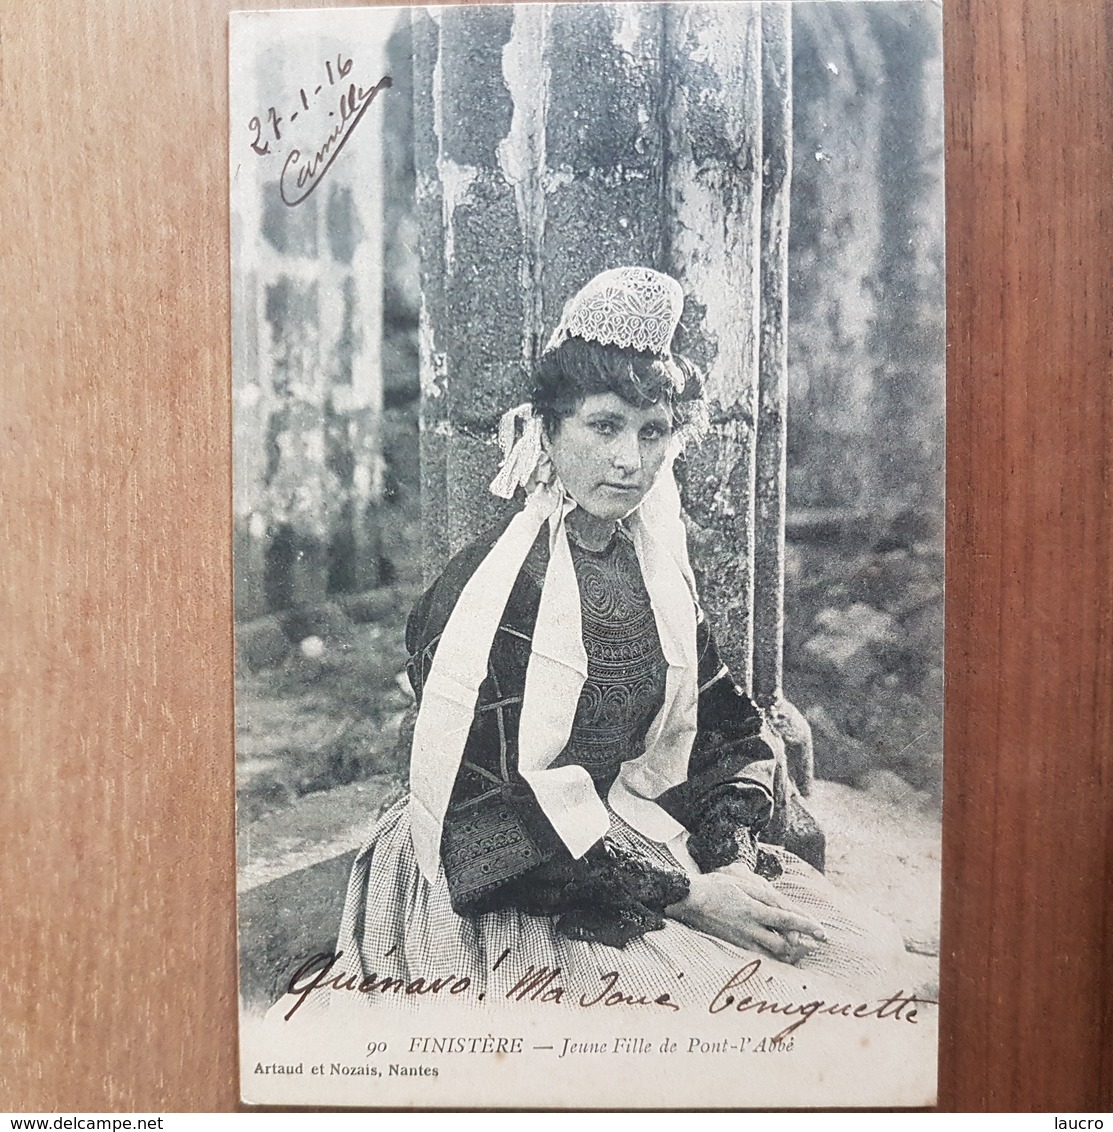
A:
(305, 166)
(306, 171)
(546, 985)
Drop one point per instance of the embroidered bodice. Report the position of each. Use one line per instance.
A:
(625, 684)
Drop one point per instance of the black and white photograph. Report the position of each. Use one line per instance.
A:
(588, 413)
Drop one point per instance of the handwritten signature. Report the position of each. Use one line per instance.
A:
(303, 171)
(307, 172)
(892, 1007)
(544, 985)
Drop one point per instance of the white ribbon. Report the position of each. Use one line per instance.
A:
(451, 688)
(523, 456)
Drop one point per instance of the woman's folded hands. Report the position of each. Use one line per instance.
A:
(738, 906)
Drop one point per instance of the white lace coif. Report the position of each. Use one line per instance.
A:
(633, 307)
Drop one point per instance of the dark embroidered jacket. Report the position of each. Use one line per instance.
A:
(497, 847)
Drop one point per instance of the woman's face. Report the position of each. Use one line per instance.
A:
(608, 453)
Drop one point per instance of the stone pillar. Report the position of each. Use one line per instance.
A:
(433, 316)
(713, 112)
(472, 248)
(769, 511)
(552, 143)
(791, 825)
(604, 162)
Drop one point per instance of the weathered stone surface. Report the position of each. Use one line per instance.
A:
(471, 464)
(484, 373)
(435, 547)
(474, 106)
(433, 315)
(553, 143)
(717, 488)
(482, 238)
(473, 248)
(772, 417)
(712, 195)
(603, 147)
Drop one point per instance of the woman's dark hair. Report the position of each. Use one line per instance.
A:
(577, 369)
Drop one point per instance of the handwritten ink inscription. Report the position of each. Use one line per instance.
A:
(545, 985)
(307, 163)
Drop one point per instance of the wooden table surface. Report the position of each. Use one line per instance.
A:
(116, 826)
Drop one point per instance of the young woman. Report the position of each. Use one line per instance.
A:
(588, 785)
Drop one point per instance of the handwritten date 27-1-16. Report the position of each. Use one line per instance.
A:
(271, 122)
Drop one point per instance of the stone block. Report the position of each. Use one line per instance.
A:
(261, 643)
(329, 622)
(472, 464)
(475, 104)
(372, 606)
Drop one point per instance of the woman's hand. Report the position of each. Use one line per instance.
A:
(742, 908)
(758, 887)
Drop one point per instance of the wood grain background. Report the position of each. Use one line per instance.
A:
(118, 990)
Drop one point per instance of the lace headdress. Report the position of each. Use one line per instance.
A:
(636, 308)
(633, 307)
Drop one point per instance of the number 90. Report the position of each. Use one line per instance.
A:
(375, 1047)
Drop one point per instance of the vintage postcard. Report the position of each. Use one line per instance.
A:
(589, 442)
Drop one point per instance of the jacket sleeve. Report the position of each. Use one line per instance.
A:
(728, 797)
